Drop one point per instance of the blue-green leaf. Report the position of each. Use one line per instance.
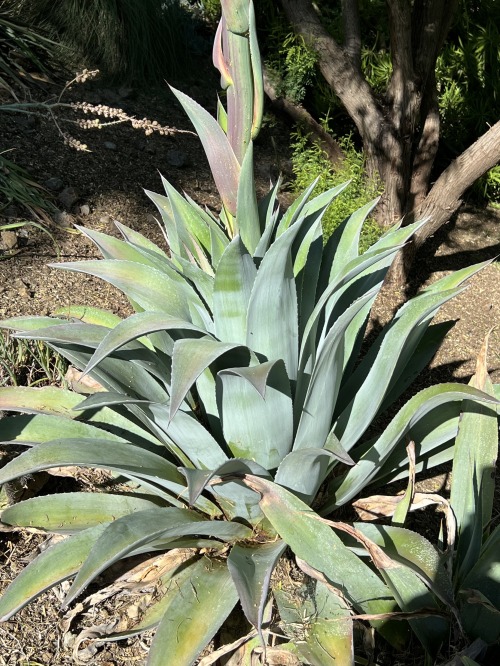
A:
(233, 284)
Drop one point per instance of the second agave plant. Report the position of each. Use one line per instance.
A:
(236, 403)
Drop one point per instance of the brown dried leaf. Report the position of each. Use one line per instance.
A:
(81, 383)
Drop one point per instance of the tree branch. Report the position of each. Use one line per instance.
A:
(445, 196)
(304, 118)
(338, 70)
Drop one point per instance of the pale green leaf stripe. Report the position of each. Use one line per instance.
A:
(136, 326)
(187, 218)
(233, 284)
(148, 287)
(408, 416)
(294, 211)
(251, 567)
(54, 565)
(319, 546)
(52, 402)
(118, 457)
(203, 282)
(206, 595)
(71, 512)
(30, 323)
(247, 211)
(456, 278)
(223, 163)
(163, 205)
(44, 400)
(89, 315)
(115, 248)
(113, 373)
(39, 428)
(189, 359)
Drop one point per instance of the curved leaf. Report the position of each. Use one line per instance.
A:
(347, 486)
(54, 565)
(116, 456)
(190, 358)
(206, 595)
(251, 567)
(135, 326)
(125, 535)
(146, 286)
(72, 512)
(223, 163)
(318, 545)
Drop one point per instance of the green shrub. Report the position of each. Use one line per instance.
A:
(237, 402)
(310, 163)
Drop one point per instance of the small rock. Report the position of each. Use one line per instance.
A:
(105, 219)
(85, 210)
(109, 145)
(63, 219)
(8, 240)
(54, 184)
(68, 197)
(176, 158)
(22, 288)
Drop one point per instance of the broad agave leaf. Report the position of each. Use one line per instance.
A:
(57, 563)
(251, 568)
(473, 484)
(319, 621)
(206, 595)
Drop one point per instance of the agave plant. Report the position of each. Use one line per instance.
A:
(242, 407)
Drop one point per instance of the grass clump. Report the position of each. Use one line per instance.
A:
(309, 162)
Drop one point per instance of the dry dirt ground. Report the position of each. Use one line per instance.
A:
(107, 185)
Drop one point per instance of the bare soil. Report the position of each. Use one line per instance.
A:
(109, 180)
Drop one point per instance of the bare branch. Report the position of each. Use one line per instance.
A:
(300, 115)
(445, 196)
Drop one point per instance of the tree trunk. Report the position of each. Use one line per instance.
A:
(445, 196)
(400, 131)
